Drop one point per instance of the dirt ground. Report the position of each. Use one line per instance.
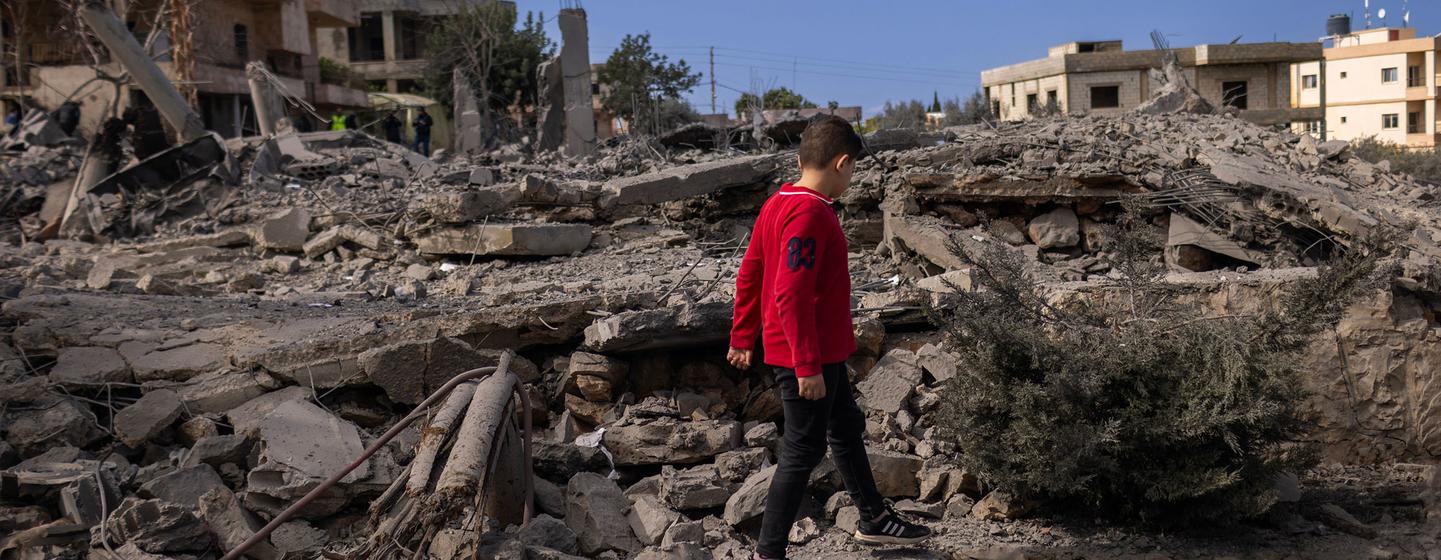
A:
(1386, 498)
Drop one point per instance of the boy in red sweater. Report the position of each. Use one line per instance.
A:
(794, 289)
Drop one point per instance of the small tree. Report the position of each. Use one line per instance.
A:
(775, 98)
(906, 114)
(500, 58)
(641, 81)
(1129, 404)
(935, 102)
(973, 111)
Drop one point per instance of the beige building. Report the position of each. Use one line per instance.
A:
(387, 47)
(1100, 77)
(1379, 83)
(225, 35)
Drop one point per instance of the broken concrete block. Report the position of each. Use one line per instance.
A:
(420, 272)
(596, 511)
(669, 441)
(736, 465)
(323, 242)
(650, 329)
(223, 391)
(1055, 229)
(157, 363)
(803, 531)
(467, 206)
(1008, 232)
(649, 518)
(937, 362)
(284, 231)
(80, 500)
(691, 180)
(66, 422)
(698, 487)
(83, 366)
(219, 450)
(183, 487)
(592, 412)
(283, 264)
(232, 525)
(148, 417)
(247, 417)
(157, 527)
(749, 501)
(298, 539)
(895, 472)
(684, 531)
(890, 383)
(948, 282)
(532, 239)
(302, 445)
(549, 532)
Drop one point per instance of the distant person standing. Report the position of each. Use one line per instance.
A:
(337, 122)
(12, 120)
(422, 124)
(351, 122)
(392, 128)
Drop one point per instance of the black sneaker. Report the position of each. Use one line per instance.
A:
(890, 528)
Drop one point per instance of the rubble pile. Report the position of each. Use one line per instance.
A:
(166, 393)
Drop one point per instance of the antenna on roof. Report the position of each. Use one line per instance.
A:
(1368, 13)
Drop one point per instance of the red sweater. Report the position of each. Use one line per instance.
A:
(794, 285)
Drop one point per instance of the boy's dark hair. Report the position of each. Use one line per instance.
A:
(825, 138)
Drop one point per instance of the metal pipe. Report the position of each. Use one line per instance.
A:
(123, 46)
(395, 430)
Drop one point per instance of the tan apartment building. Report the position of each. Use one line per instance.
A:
(1101, 77)
(387, 46)
(1378, 83)
(225, 35)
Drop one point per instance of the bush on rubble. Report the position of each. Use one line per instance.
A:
(1132, 405)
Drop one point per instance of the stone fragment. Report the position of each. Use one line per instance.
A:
(1337, 518)
(80, 501)
(248, 416)
(948, 282)
(83, 366)
(1007, 232)
(690, 180)
(64, 422)
(649, 518)
(594, 389)
(803, 531)
(736, 465)
(157, 527)
(1055, 229)
(549, 497)
(283, 264)
(298, 539)
(670, 441)
(148, 417)
(931, 510)
(302, 445)
(14, 519)
(959, 505)
(219, 450)
(549, 532)
(529, 239)
(223, 392)
(749, 501)
(766, 435)
(197, 428)
(183, 487)
(649, 329)
(694, 488)
(1001, 506)
(420, 272)
(562, 461)
(588, 411)
(848, 519)
(173, 364)
(284, 231)
(890, 383)
(937, 362)
(684, 531)
(596, 511)
(231, 525)
(895, 472)
(463, 207)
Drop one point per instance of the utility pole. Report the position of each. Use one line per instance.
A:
(712, 80)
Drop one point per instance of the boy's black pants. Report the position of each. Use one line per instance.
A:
(809, 426)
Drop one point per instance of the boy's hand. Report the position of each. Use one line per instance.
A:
(812, 387)
(739, 358)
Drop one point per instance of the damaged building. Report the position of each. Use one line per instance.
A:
(206, 52)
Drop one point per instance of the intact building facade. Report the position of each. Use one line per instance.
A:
(1378, 83)
(1101, 77)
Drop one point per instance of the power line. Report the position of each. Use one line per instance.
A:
(787, 57)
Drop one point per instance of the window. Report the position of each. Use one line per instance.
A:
(1031, 102)
(1308, 81)
(1343, 120)
(1233, 94)
(1343, 75)
(1388, 75)
(1413, 123)
(242, 42)
(1313, 127)
(1051, 98)
(995, 108)
(1105, 97)
(1413, 77)
(1390, 121)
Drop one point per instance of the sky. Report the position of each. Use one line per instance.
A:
(867, 53)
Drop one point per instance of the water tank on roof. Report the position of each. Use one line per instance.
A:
(1337, 25)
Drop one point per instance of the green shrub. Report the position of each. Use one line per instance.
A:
(1131, 405)
(1423, 164)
